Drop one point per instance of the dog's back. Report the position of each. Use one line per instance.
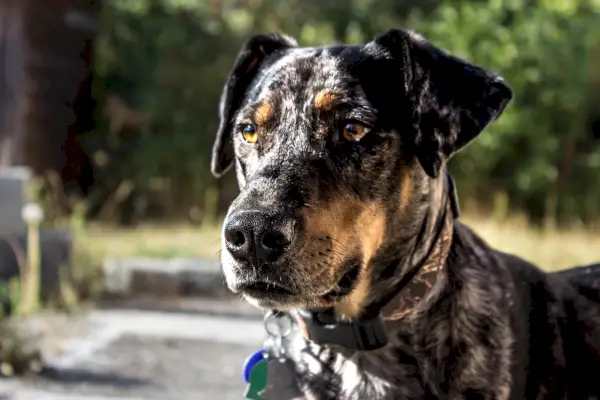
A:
(556, 318)
(583, 275)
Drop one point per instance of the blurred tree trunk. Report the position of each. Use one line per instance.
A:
(11, 83)
(51, 42)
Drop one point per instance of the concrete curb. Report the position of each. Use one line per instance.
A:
(164, 278)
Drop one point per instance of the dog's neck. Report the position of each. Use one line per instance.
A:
(422, 278)
(409, 276)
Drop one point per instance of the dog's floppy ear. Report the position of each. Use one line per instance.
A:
(452, 100)
(245, 68)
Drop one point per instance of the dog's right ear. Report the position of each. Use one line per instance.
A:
(245, 68)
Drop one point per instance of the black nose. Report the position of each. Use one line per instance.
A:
(257, 237)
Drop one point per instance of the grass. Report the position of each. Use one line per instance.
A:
(151, 241)
(550, 249)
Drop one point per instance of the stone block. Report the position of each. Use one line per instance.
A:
(164, 278)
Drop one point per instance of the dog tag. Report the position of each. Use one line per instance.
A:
(257, 381)
(251, 362)
(281, 381)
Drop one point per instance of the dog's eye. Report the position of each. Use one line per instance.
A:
(355, 132)
(249, 133)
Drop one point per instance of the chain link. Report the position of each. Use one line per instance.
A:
(278, 325)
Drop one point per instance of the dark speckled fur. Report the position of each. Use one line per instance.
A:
(494, 326)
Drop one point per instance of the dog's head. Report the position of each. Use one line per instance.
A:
(338, 153)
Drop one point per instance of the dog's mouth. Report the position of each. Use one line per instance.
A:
(269, 290)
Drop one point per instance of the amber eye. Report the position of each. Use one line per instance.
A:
(249, 133)
(355, 132)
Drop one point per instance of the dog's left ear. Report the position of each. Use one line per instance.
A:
(452, 100)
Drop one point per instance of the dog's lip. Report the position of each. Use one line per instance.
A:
(346, 283)
(265, 289)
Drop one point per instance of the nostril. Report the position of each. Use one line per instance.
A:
(274, 240)
(235, 237)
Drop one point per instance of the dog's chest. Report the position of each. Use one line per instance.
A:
(326, 374)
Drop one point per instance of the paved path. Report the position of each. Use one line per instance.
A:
(131, 354)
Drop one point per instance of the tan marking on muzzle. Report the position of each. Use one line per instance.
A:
(335, 220)
(369, 229)
(406, 189)
(354, 227)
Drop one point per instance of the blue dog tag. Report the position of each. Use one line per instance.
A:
(251, 362)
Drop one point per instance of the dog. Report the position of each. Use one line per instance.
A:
(346, 212)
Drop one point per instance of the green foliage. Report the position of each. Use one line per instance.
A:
(542, 151)
(170, 58)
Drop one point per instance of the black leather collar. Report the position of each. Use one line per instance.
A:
(364, 334)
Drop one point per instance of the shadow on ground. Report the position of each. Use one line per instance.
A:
(82, 376)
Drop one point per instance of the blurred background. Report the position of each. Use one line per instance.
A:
(112, 108)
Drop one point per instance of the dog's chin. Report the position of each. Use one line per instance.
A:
(269, 295)
(271, 304)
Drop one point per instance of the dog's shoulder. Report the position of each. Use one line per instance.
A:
(554, 317)
(531, 321)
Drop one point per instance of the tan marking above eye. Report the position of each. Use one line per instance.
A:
(326, 100)
(354, 132)
(264, 112)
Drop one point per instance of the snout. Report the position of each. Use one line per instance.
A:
(273, 258)
(256, 237)
(287, 246)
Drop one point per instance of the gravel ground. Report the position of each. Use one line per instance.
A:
(194, 354)
(154, 368)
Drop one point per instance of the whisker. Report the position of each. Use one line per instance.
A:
(344, 247)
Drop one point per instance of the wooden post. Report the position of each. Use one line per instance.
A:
(31, 280)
